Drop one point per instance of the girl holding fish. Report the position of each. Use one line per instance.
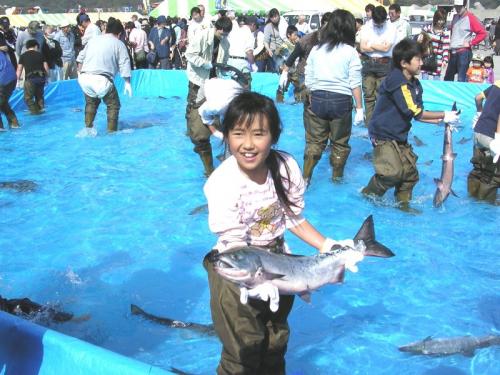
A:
(253, 197)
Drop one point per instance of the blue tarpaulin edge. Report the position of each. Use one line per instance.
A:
(438, 95)
(27, 348)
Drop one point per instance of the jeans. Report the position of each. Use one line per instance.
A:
(459, 63)
(329, 105)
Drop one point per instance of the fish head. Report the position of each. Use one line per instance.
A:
(414, 347)
(239, 266)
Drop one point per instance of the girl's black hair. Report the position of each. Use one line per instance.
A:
(244, 109)
(341, 28)
(489, 59)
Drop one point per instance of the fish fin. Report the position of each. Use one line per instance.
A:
(367, 234)
(428, 338)
(452, 192)
(135, 310)
(199, 209)
(306, 297)
(453, 156)
(272, 276)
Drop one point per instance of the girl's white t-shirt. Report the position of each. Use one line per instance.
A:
(243, 213)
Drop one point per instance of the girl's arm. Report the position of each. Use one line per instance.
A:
(307, 233)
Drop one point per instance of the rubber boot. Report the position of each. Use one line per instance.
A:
(487, 192)
(309, 164)
(403, 198)
(112, 122)
(473, 185)
(89, 118)
(208, 162)
(13, 123)
(338, 159)
(280, 98)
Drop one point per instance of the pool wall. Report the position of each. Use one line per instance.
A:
(153, 83)
(27, 348)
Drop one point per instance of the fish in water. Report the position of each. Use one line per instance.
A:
(295, 274)
(26, 308)
(21, 186)
(444, 182)
(465, 345)
(418, 141)
(428, 162)
(207, 329)
(200, 209)
(464, 140)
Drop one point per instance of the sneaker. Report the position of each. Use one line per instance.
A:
(15, 126)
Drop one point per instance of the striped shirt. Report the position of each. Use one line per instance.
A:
(440, 45)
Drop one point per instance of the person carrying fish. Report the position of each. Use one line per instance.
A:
(400, 101)
(484, 179)
(253, 197)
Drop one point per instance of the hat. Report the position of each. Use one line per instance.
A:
(459, 2)
(477, 58)
(250, 19)
(161, 19)
(82, 18)
(33, 27)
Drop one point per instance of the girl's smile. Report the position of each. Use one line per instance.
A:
(250, 143)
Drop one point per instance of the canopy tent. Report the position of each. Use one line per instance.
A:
(356, 7)
(183, 7)
(59, 19)
(180, 8)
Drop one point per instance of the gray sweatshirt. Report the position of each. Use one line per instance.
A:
(105, 55)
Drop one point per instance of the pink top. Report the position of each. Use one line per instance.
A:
(139, 40)
(242, 212)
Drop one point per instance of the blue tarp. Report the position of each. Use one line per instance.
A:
(26, 348)
(438, 95)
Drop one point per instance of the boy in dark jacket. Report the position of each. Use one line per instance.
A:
(400, 101)
(7, 85)
(36, 71)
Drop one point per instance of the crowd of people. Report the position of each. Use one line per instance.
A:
(369, 67)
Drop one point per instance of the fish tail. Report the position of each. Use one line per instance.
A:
(367, 234)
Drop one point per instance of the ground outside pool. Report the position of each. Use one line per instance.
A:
(108, 225)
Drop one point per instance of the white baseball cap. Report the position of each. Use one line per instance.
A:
(458, 2)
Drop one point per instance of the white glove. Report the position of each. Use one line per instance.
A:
(207, 65)
(451, 117)
(475, 118)
(495, 147)
(218, 134)
(283, 80)
(253, 68)
(265, 292)
(127, 89)
(329, 243)
(359, 117)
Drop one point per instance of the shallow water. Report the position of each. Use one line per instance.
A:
(108, 225)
